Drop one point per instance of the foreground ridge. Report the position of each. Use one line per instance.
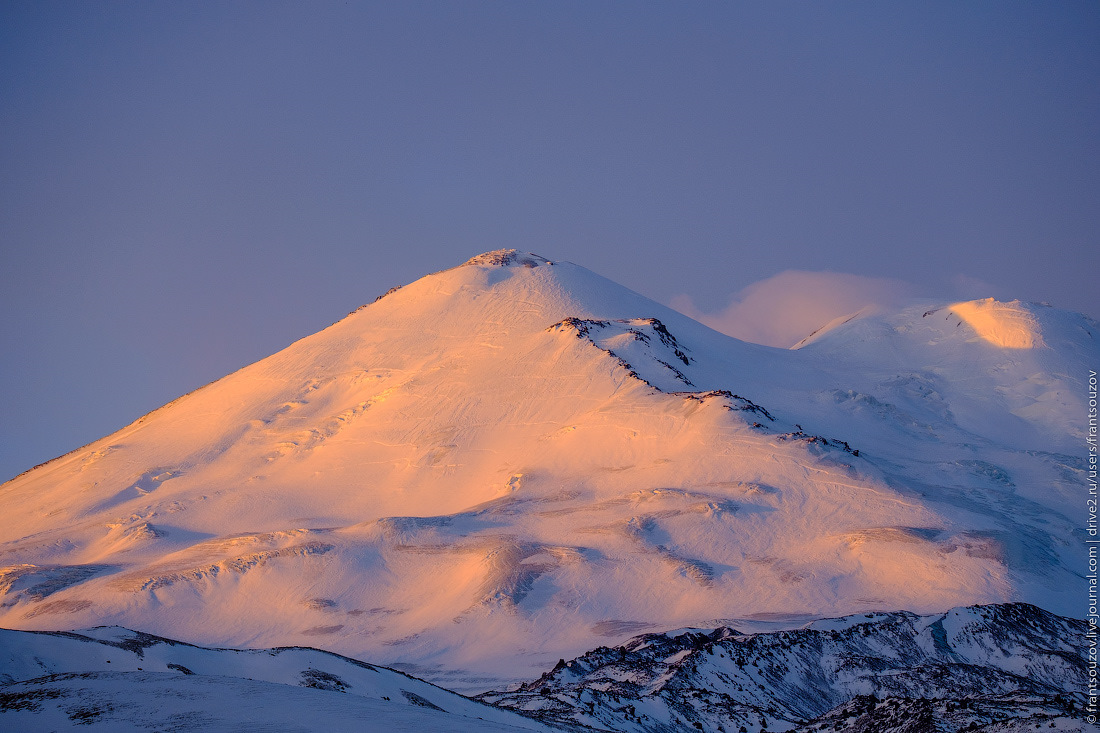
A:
(1008, 667)
(106, 676)
(996, 667)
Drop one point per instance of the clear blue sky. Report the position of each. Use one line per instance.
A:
(186, 187)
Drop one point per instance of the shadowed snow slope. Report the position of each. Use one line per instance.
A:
(516, 460)
(107, 676)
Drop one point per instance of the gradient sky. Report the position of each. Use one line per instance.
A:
(186, 187)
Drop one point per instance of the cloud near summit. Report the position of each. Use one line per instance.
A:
(785, 308)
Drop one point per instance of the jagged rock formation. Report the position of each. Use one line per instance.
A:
(1000, 667)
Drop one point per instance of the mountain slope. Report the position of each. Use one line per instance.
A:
(517, 460)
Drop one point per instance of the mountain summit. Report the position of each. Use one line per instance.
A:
(516, 459)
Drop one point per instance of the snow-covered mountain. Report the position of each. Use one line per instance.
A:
(517, 460)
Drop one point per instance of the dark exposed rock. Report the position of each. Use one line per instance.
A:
(897, 672)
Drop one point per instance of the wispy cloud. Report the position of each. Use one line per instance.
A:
(785, 308)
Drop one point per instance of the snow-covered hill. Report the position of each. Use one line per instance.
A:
(517, 460)
(117, 679)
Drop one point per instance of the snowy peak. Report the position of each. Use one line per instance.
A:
(985, 325)
(1008, 325)
(507, 258)
(1010, 371)
(499, 291)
